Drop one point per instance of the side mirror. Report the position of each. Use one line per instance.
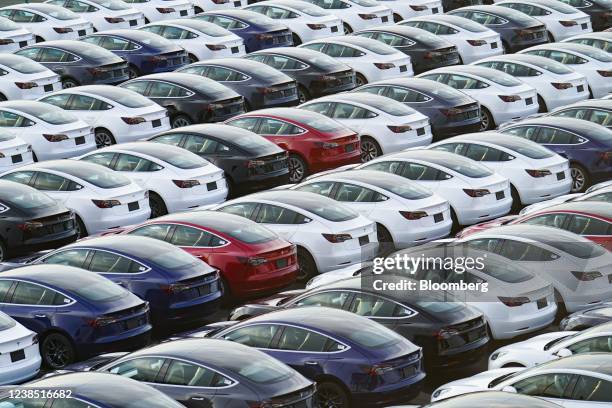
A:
(563, 353)
(509, 388)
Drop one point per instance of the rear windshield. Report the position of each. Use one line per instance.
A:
(375, 46)
(323, 207)
(95, 52)
(25, 198)
(93, 287)
(261, 370)
(391, 107)
(250, 233)
(506, 273)
(552, 66)
(309, 9)
(155, 41)
(7, 25)
(600, 134)
(23, 65)
(502, 79)
(324, 62)
(469, 25)
(210, 88)
(101, 177)
(6, 136)
(49, 113)
(124, 97)
(463, 166)
(531, 150)
(6, 322)
(175, 259)
(582, 250)
(323, 123)
(178, 159)
(369, 335)
(211, 29)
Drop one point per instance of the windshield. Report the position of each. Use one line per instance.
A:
(23, 64)
(124, 97)
(6, 322)
(7, 25)
(49, 113)
(98, 176)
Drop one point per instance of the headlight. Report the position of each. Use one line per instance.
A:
(497, 355)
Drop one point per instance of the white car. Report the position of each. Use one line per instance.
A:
(556, 84)
(582, 381)
(405, 213)
(599, 39)
(52, 132)
(372, 60)
(13, 36)
(600, 194)
(117, 115)
(473, 41)
(306, 21)
(104, 14)
(48, 22)
(535, 172)
(101, 199)
(502, 97)
(475, 193)
(578, 268)
(403, 9)
(384, 125)
(14, 151)
(22, 78)
(593, 63)
(20, 359)
(328, 234)
(202, 40)
(202, 6)
(561, 20)
(357, 14)
(551, 346)
(156, 10)
(176, 179)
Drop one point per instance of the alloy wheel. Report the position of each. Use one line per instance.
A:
(369, 150)
(296, 169)
(578, 179)
(104, 139)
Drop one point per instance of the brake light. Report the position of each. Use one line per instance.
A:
(568, 23)
(562, 85)
(384, 65)
(186, 183)
(378, 369)
(400, 128)
(26, 85)
(603, 73)
(514, 301)
(265, 90)
(62, 30)
(509, 98)
(133, 121)
(106, 203)
(165, 10)
(326, 145)
(263, 37)
(587, 276)
(252, 261)
(368, 16)
(114, 20)
(174, 288)
(479, 192)
(254, 163)
(337, 238)
(444, 334)
(95, 71)
(538, 173)
(216, 47)
(450, 111)
(419, 8)
(605, 155)
(413, 215)
(316, 26)
(326, 78)
(30, 226)
(476, 43)
(102, 321)
(55, 138)
(6, 41)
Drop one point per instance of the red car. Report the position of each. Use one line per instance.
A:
(315, 142)
(591, 219)
(252, 260)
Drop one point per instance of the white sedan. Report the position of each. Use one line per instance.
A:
(13, 36)
(473, 41)
(403, 9)
(117, 115)
(372, 60)
(14, 151)
(100, 198)
(306, 21)
(475, 193)
(551, 346)
(593, 63)
(601, 194)
(202, 6)
(176, 179)
(156, 10)
(384, 125)
(556, 84)
(202, 40)
(599, 39)
(561, 20)
(47, 21)
(20, 359)
(52, 132)
(328, 234)
(104, 14)
(22, 78)
(502, 97)
(357, 14)
(535, 172)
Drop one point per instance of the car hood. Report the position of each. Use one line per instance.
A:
(478, 382)
(333, 276)
(536, 343)
(548, 203)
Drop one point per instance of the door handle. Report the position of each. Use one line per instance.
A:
(312, 363)
(197, 398)
(40, 315)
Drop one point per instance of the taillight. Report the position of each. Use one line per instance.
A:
(476, 43)
(220, 1)
(587, 276)
(400, 128)
(30, 226)
(444, 334)
(62, 30)
(95, 71)
(478, 192)
(101, 321)
(165, 10)
(106, 203)
(568, 23)
(254, 163)
(55, 138)
(316, 26)
(513, 301)
(186, 183)
(326, 145)
(253, 261)
(419, 8)
(384, 65)
(605, 155)
(509, 98)
(368, 16)
(413, 215)
(263, 37)
(337, 238)
(562, 85)
(265, 90)
(450, 111)
(114, 20)
(174, 288)
(6, 41)
(216, 47)
(603, 73)
(538, 173)
(133, 121)
(522, 33)
(377, 369)
(26, 85)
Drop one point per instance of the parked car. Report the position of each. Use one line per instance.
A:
(596, 110)
(104, 14)
(600, 39)
(492, 398)
(13, 36)
(21, 358)
(14, 151)
(584, 319)
(23, 78)
(204, 5)
(156, 10)
(357, 14)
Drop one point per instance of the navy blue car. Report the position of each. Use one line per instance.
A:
(587, 146)
(179, 287)
(145, 52)
(258, 31)
(76, 314)
(353, 360)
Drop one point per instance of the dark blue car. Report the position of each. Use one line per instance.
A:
(75, 313)
(179, 287)
(354, 360)
(258, 31)
(145, 52)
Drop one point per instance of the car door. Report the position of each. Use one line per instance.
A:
(75, 257)
(280, 132)
(434, 179)
(122, 270)
(590, 392)
(56, 59)
(595, 229)
(58, 187)
(352, 116)
(206, 243)
(19, 125)
(149, 370)
(206, 147)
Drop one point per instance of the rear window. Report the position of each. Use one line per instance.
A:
(124, 97)
(95, 52)
(506, 273)
(49, 113)
(94, 288)
(262, 370)
(250, 233)
(463, 166)
(323, 124)
(175, 259)
(23, 65)
(209, 88)
(552, 66)
(182, 161)
(324, 62)
(212, 29)
(310, 9)
(26, 198)
(375, 46)
(323, 207)
(101, 177)
(369, 335)
(63, 14)
(582, 250)
(531, 150)
(469, 25)
(500, 78)
(391, 107)
(600, 134)
(409, 191)
(6, 322)
(155, 41)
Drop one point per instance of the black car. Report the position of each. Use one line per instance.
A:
(600, 12)
(449, 5)
(316, 73)
(517, 30)
(209, 373)
(450, 112)
(451, 333)
(426, 50)
(594, 110)
(495, 399)
(31, 220)
(261, 85)
(146, 53)
(250, 161)
(587, 318)
(188, 98)
(84, 390)
(78, 63)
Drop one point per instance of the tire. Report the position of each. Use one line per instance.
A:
(133, 72)
(505, 47)
(543, 108)
(104, 138)
(385, 240)
(69, 83)
(581, 179)
(38, 39)
(486, 119)
(307, 265)
(296, 39)
(303, 94)
(192, 58)
(81, 229)
(456, 226)
(297, 168)
(3, 251)
(347, 29)
(158, 207)
(397, 18)
(330, 394)
(516, 200)
(3, 98)
(180, 121)
(551, 38)
(561, 309)
(360, 80)
(57, 351)
(370, 149)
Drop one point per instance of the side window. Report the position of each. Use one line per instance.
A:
(26, 402)
(272, 214)
(601, 117)
(200, 145)
(323, 188)
(279, 13)
(224, 74)
(175, 33)
(592, 389)
(191, 237)
(80, 7)
(30, 294)
(229, 23)
(601, 344)
(484, 153)
(245, 123)
(107, 262)
(463, 82)
(347, 111)
(51, 182)
(10, 119)
(114, 43)
(84, 103)
(456, 148)
(191, 375)
(342, 51)
(556, 220)
(521, 251)
(5, 285)
(137, 86)
(128, 162)
(67, 403)
(357, 194)
(22, 16)
(549, 135)
(143, 369)
(566, 58)
(526, 132)
(60, 100)
(103, 159)
(166, 90)
(583, 225)
(155, 29)
(260, 58)
(277, 127)
(157, 231)
(394, 40)
(545, 385)
(70, 257)
(415, 171)
(517, 70)
(259, 335)
(335, 299)
(318, 46)
(297, 339)
(22, 177)
(241, 209)
(406, 95)
(283, 63)
(31, 53)
(320, 107)
(55, 55)
(387, 166)
(197, 70)
(373, 306)
(173, 139)
(94, 39)
(485, 244)
(375, 89)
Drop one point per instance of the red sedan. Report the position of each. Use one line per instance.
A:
(591, 219)
(314, 142)
(252, 260)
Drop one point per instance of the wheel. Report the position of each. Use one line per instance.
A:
(307, 265)
(192, 58)
(57, 351)
(3, 253)
(297, 168)
(385, 240)
(486, 119)
(369, 149)
(397, 18)
(360, 80)
(347, 29)
(3, 98)
(180, 121)
(516, 200)
(505, 47)
(296, 39)
(551, 38)
(542, 104)
(133, 72)
(580, 178)
(39, 39)
(80, 227)
(104, 138)
(158, 207)
(330, 395)
(456, 225)
(69, 83)
(303, 94)
(561, 309)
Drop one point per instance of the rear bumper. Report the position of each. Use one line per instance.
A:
(43, 243)
(452, 129)
(329, 163)
(265, 283)
(189, 314)
(18, 373)
(124, 343)
(467, 356)
(399, 393)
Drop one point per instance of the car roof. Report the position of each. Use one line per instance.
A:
(577, 125)
(210, 219)
(362, 42)
(437, 156)
(139, 246)
(55, 275)
(237, 13)
(420, 84)
(468, 69)
(66, 166)
(191, 23)
(289, 197)
(155, 150)
(328, 319)
(135, 35)
(294, 52)
(598, 208)
(443, 18)
(566, 46)
(42, 7)
(295, 114)
(181, 78)
(212, 351)
(243, 65)
(595, 34)
(289, 3)
(493, 9)
(496, 399)
(69, 45)
(533, 232)
(359, 97)
(527, 58)
(363, 176)
(487, 137)
(594, 103)
(596, 362)
(19, 104)
(218, 130)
